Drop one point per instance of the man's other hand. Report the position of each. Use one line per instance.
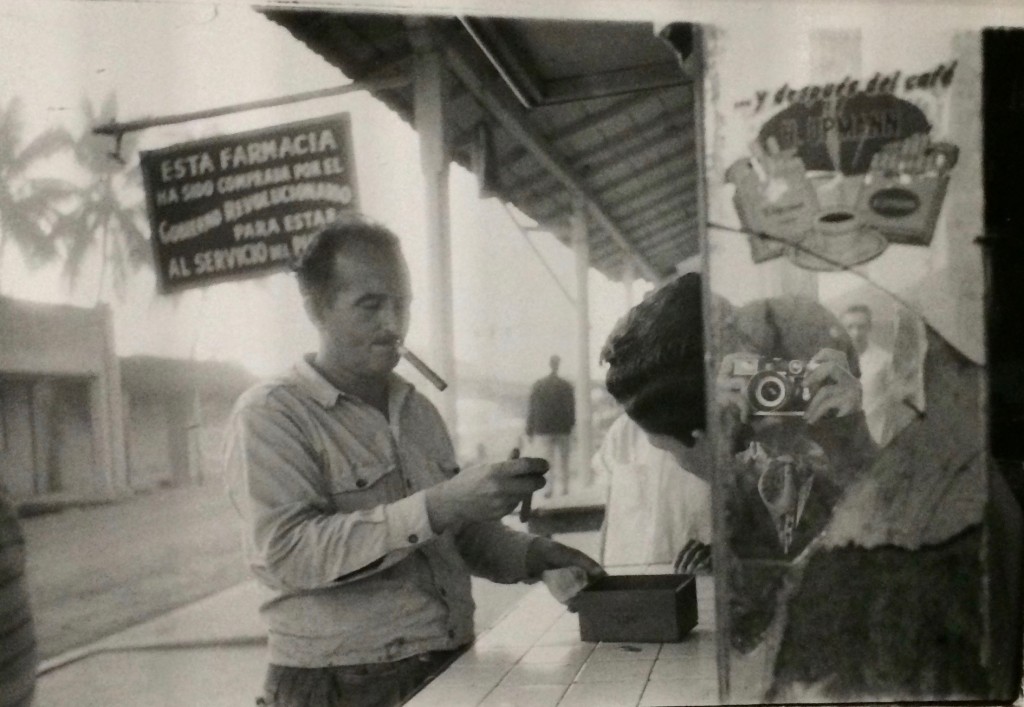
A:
(484, 492)
(694, 558)
(544, 554)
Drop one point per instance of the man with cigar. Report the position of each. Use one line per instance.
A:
(357, 520)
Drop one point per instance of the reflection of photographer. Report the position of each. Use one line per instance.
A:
(777, 387)
(788, 401)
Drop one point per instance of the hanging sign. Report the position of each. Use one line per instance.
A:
(243, 205)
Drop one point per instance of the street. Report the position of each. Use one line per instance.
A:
(94, 571)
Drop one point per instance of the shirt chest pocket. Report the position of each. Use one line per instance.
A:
(363, 487)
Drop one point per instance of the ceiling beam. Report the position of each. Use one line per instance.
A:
(533, 183)
(662, 225)
(513, 118)
(668, 216)
(659, 216)
(595, 119)
(603, 115)
(530, 183)
(687, 235)
(623, 195)
(642, 205)
(612, 83)
(651, 244)
(666, 146)
(615, 145)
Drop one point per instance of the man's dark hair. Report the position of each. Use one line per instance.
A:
(314, 267)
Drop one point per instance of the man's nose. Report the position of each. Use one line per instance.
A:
(392, 319)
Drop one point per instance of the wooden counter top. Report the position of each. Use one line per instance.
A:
(534, 657)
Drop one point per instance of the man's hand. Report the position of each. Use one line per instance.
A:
(837, 392)
(544, 554)
(484, 492)
(694, 558)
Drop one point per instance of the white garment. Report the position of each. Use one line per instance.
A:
(876, 383)
(654, 505)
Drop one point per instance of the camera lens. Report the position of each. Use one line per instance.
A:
(769, 393)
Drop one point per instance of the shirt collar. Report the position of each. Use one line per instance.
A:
(327, 395)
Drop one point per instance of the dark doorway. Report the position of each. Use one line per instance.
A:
(46, 435)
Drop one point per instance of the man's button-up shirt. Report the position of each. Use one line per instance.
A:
(336, 528)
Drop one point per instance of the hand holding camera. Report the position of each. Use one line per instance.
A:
(838, 391)
(760, 386)
(484, 492)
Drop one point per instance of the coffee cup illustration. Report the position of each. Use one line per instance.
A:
(837, 230)
(838, 241)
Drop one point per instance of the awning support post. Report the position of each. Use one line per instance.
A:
(428, 73)
(581, 247)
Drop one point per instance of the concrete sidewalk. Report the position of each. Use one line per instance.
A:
(210, 653)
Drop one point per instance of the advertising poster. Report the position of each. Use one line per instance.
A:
(243, 205)
(847, 347)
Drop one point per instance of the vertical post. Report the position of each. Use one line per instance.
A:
(196, 472)
(114, 454)
(429, 122)
(629, 282)
(581, 247)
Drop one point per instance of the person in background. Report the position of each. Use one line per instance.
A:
(876, 372)
(550, 418)
(357, 522)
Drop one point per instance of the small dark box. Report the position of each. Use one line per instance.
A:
(653, 608)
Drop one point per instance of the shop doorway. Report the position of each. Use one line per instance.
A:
(46, 435)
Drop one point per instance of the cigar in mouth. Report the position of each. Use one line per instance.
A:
(423, 368)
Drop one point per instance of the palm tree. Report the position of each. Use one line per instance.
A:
(28, 204)
(104, 215)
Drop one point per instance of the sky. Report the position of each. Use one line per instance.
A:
(160, 59)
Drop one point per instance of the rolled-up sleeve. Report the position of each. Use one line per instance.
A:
(294, 537)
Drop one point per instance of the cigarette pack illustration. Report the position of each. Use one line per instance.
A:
(773, 197)
(902, 194)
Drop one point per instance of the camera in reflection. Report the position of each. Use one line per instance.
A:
(775, 385)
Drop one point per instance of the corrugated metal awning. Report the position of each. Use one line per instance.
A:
(549, 112)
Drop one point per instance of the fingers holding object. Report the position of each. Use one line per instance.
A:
(523, 466)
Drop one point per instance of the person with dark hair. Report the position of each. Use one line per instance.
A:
(357, 520)
(657, 372)
(550, 418)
